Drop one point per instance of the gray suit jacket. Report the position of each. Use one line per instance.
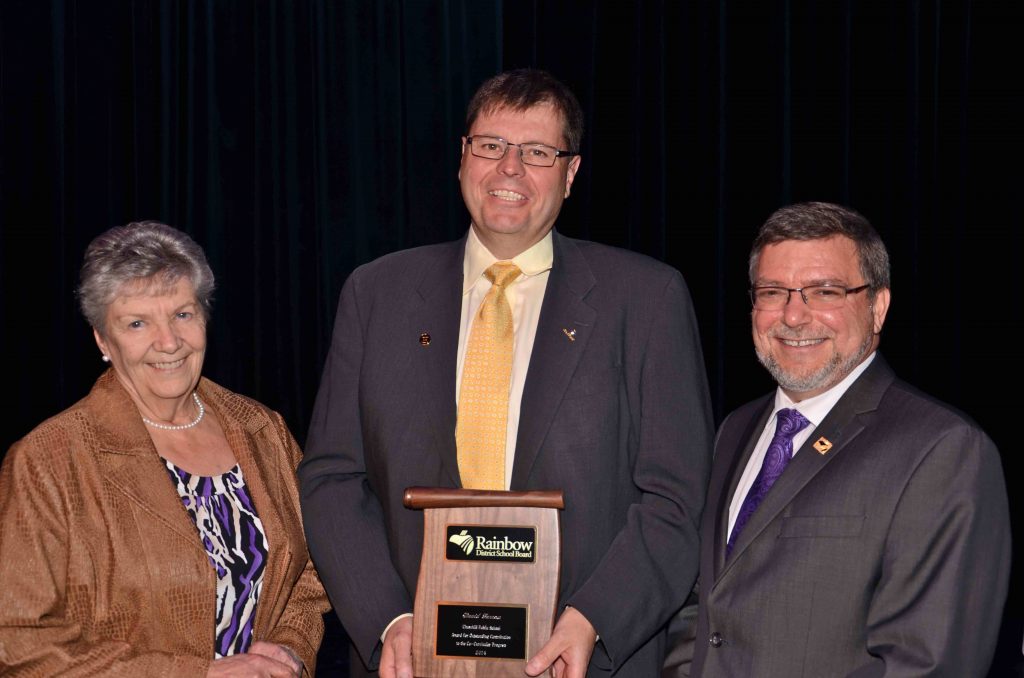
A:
(889, 555)
(618, 419)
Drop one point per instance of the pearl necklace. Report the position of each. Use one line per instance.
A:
(180, 427)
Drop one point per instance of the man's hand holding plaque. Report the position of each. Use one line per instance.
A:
(569, 649)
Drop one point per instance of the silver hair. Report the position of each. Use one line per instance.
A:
(820, 220)
(148, 254)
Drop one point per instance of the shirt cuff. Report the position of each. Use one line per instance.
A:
(388, 627)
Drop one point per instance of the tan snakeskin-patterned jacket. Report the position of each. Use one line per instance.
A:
(101, 567)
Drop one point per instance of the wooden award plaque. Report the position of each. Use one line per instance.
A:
(488, 582)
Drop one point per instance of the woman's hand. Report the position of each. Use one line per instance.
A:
(263, 660)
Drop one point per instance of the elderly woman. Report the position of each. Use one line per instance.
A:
(153, 528)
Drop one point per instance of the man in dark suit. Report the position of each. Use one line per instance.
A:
(606, 401)
(882, 546)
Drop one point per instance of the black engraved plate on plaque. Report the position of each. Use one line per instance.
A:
(481, 631)
(509, 544)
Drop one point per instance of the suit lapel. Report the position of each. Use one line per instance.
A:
(740, 447)
(438, 314)
(555, 356)
(841, 426)
(129, 460)
(143, 478)
(259, 472)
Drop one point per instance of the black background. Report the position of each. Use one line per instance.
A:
(296, 140)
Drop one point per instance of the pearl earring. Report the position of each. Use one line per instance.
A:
(106, 358)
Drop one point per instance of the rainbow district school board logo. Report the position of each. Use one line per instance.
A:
(491, 543)
(464, 540)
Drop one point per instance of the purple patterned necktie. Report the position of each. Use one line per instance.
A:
(780, 451)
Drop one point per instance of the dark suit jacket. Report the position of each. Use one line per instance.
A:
(618, 419)
(888, 555)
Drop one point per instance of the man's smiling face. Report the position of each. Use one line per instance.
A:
(808, 351)
(512, 205)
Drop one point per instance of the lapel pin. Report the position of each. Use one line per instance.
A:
(424, 339)
(570, 333)
(822, 445)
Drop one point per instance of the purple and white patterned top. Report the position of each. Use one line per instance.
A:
(236, 544)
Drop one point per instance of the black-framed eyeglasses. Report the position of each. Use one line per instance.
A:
(494, 148)
(817, 297)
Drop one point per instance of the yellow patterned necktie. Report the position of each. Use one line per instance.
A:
(483, 396)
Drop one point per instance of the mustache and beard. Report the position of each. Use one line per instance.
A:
(827, 375)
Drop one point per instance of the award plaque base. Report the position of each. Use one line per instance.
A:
(488, 582)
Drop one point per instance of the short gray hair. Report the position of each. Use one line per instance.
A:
(143, 253)
(820, 220)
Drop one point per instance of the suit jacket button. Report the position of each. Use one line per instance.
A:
(716, 639)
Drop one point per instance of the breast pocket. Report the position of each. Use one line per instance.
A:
(797, 527)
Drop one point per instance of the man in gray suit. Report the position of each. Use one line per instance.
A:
(606, 400)
(854, 526)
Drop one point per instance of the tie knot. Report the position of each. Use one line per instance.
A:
(502, 273)
(790, 422)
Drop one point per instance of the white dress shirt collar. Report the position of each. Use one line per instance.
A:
(815, 409)
(478, 259)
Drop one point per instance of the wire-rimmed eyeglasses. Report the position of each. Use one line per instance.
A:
(817, 297)
(494, 148)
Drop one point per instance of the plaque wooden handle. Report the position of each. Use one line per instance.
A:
(444, 497)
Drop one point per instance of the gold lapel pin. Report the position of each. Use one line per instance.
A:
(424, 339)
(822, 445)
(570, 333)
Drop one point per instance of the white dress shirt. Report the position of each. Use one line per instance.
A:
(525, 295)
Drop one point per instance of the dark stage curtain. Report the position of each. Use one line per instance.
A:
(297, 140)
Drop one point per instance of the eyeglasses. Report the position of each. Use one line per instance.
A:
(817, 297)
(494, 148)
